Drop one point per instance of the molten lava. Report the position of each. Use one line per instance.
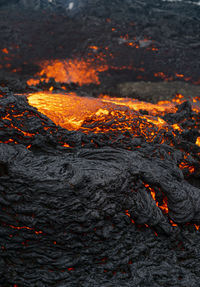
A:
(67, 110)
(106, 114)
(103, 114)
(82, 72)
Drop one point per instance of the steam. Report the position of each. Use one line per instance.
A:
(71, 5)
(189, 2)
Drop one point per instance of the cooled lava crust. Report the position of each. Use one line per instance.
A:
(84, 215)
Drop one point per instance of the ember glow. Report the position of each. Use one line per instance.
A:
(26, 228)
(5, 51)
(198, 141)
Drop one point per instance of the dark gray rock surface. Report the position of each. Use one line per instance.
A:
(154, 92)
(74, 206)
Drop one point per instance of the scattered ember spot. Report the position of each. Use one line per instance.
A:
(127, 213)
(130, 262)
(5, 51)
(95, 48)
(162, 206)
(25, 227)
(172, 223)
(184, 165)
(160, 75)
(179, 75)
(198, 141)
(66, 145)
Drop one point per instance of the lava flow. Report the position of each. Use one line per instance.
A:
(87, 114)
(105, 114)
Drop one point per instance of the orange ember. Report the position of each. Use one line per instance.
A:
(198, 141)
(26, 228)
(164, 206)
(5, 51)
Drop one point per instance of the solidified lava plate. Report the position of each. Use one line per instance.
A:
(98, 189)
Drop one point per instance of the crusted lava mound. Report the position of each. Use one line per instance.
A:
(84, 215)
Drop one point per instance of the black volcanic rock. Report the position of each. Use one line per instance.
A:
(67, 213)
(69, 209)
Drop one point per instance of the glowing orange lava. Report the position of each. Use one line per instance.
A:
(82, 72)
(198, 141)
(26, 228)
(67, 110)
(71, 111)
(88, 114)
(5, 51)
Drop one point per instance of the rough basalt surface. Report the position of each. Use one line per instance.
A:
(64, 215)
